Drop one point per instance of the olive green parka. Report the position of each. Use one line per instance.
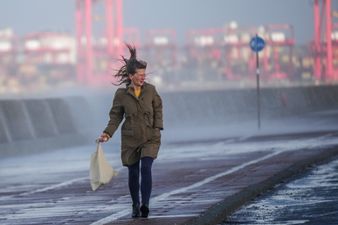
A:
(140, 132)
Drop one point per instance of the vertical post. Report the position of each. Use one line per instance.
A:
(317, 47)
(291, 44)
(89, 49)
(329, 60)
(257, 44)
(258, 92)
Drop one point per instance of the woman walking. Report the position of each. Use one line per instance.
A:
(139, 104)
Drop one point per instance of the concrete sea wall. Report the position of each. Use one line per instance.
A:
(38, 124)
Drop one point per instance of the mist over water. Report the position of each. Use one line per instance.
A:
(78, 118)
(214, 114)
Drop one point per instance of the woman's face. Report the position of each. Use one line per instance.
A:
(138, 78)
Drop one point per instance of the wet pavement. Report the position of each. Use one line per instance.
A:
(189, 180)
(311, 199)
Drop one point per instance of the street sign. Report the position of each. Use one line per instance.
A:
(257, 44)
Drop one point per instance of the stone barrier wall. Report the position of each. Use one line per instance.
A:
(47, 123)
(32, 125)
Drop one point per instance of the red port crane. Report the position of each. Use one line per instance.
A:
(324, 46)
(90, 49)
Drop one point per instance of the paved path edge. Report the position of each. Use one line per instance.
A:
(223, 209)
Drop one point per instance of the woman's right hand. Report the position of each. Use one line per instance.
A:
(103, 138)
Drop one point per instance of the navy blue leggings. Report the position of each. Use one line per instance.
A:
(146, 180)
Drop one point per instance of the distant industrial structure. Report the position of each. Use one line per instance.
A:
(221, 54)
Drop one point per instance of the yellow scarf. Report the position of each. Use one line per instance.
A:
(137, 92)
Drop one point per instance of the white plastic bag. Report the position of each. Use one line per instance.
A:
(100, 171)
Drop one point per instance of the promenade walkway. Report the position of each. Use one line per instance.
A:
(193, 183)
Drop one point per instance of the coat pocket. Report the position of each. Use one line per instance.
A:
(129, 122)
(149, 120)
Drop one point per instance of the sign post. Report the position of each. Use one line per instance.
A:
(257, 44)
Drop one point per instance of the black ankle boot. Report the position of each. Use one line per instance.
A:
(144, 211)
(136, 211)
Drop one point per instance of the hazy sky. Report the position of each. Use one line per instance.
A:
(58, 15)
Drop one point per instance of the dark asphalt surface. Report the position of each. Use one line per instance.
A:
(190, 181)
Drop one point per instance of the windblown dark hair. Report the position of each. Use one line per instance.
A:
(130, 66)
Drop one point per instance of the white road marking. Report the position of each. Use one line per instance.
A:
(164, 196)
(51, 187)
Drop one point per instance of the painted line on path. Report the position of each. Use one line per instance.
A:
(51, 187)
(164, 196)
